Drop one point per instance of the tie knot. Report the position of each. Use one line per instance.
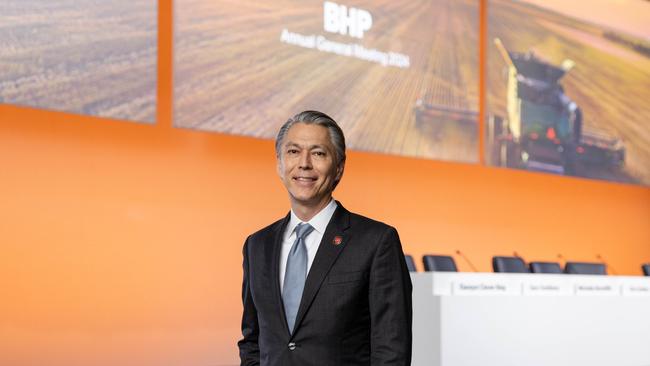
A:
(302, 230)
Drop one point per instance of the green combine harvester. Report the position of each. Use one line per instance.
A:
(543, 130)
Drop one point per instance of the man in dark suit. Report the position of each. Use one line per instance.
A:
(323, 286)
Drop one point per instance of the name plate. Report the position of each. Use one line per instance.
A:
(636, 287)
(597, 287)
(485, 287)
(546, 287)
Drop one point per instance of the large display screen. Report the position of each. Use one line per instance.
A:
(568, 88)
(90, 57)
(401, 77)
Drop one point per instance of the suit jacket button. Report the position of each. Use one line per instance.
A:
(292, 346)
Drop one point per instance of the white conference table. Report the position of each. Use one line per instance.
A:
(505, 319)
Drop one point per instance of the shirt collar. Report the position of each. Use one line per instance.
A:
(318, 222)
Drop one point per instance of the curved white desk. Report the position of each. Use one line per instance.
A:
(530, 319)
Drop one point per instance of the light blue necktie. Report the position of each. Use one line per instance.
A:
(295, 274)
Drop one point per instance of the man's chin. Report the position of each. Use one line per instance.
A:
(307, 201)
(304, 201)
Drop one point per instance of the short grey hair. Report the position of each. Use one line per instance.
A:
(314, 118)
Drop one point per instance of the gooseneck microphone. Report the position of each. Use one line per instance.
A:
(471, 265)
(607, 265)
(515, 254)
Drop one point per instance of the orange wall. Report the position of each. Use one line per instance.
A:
(120, 243)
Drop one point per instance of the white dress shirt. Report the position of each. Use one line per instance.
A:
(319, 223)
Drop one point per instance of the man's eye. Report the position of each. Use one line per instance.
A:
(319, 153)
(292, 151)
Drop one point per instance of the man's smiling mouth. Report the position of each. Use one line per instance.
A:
(305, 179)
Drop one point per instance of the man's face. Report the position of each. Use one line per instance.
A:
(307, 165)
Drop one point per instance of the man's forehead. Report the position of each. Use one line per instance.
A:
(305, 145)
(302, 128)
(304, 135)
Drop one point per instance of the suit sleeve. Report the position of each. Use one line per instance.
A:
(249, 351)
(390, 304)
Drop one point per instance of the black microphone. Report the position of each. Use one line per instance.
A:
(520, 257)
(561, 258)
(466, 260)
(600, 258)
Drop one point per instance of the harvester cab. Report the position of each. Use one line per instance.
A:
(544, 125)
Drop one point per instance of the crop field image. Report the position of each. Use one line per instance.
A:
(238, 70)
(607, 78)
(88, 57)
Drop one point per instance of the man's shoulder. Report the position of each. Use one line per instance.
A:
(366, 223)
(267, 232)
(371, 233)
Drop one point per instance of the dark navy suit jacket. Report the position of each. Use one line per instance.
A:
(355, 308)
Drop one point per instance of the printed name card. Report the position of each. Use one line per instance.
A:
(636, 287)
(543, 286)
(485, 287)
(597, 287)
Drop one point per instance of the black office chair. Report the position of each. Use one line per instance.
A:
(439, 263)
(509, 265)
(410, 263)
(585, 268)
(545, 267)
(646, 269)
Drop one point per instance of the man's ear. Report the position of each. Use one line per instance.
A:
(278, 167)
(339, 171)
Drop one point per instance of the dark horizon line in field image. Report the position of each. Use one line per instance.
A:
(567, 88)
(95, 58)
(401, 77)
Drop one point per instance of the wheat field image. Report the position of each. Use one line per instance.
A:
(233, 73)
(609, 80)
(95, 58)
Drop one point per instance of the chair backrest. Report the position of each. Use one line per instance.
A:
(646, 269)
(585, 268)
(410, 263)
(545, 267)
(439, 263)
(509, 265)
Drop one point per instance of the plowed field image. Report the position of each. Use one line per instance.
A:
(244, 67)
(88, 57)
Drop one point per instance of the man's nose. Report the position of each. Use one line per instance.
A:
(305, 160)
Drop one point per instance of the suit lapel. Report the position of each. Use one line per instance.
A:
(275, 272)
(326, 255)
